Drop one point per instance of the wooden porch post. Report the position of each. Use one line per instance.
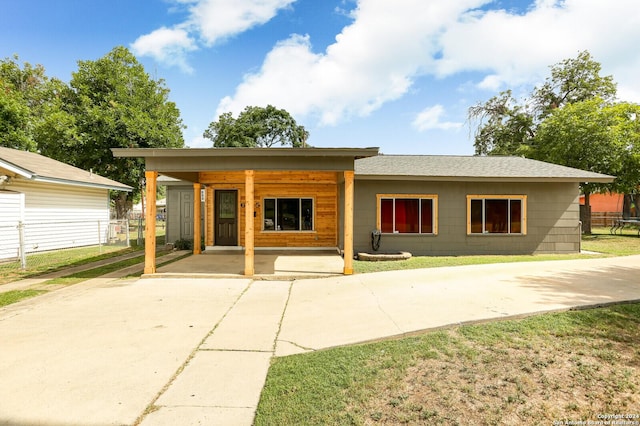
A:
(150, 223)
(197, 207)
(248, 223)
(348, 222)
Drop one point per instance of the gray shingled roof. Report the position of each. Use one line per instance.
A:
(30, 165)
(465, 168)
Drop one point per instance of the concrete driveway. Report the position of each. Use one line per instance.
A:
(99, 353)
(168, 351)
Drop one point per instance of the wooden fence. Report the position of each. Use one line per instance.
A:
(606, 219)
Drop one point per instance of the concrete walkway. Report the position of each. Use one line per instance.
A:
(167, 351)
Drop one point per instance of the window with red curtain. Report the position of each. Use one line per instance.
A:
(426, 216)
(406, 215)
(386, 215)
(516, 216)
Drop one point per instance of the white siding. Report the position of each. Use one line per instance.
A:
(63, 216)
(11, 212)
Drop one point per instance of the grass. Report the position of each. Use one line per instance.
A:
(13, 296)
(43, 263)
(601, 242)
(553, 367)
(7, 298)
(95, 272)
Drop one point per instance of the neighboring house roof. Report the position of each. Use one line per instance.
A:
(36, 167)
(470, 168)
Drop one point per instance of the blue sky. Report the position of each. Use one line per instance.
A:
(399, 75)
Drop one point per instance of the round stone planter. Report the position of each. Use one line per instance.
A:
(381, 257)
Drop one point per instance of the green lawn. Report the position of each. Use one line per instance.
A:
(554, 367)
(43, 263)
(13, 296)
(601, 242)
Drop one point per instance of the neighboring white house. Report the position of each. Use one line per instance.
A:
(58, 205)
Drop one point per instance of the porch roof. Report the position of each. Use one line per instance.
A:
(185, 163)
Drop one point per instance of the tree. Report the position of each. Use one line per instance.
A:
(595, 136)
(256, 127)
(112, 103)
(506, 126)
(25, 93)
(14, 120)
(572, 81)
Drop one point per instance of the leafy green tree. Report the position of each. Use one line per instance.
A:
(567, 120)
(506, 126)
(572, 81)
(25, 93)
(112, 103)
(14, 120)
(257, 127)
(595, 136)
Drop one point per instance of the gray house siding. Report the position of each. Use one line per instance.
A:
(552, 218)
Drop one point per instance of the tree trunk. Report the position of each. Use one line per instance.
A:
(122, 206)
(626, 205)
(586, 223)
(630, 206)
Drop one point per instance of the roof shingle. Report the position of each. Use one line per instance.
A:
(433, 167)
(38, 167)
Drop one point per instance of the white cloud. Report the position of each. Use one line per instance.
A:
(209, 21)
(429, 119)
(218, 19)
(199, 142)
(166, 45)
(519, 48)
(374, 60)
(378, 57)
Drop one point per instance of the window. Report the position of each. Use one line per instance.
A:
(288, 214)
(407, 214)
(496, 214)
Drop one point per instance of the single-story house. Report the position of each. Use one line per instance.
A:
(57, 205)
(349, 198)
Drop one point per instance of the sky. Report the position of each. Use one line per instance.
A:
(395, 74)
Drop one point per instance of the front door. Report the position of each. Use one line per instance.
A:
(186, 215)
(226, 218)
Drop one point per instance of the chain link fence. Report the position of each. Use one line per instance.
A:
(35, 245)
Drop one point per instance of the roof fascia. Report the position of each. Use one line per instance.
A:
(245, 152)
(483, 179)
(16, 169)
(81, 184)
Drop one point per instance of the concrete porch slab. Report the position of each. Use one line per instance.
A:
(268, 264)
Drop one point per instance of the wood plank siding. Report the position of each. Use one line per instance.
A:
(322, 187)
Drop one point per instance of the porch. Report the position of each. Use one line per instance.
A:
(254, 198)
(268, 264)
